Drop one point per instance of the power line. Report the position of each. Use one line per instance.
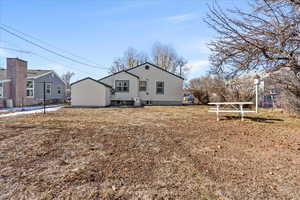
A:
(37, 39)
(49, 50)
(43, 57)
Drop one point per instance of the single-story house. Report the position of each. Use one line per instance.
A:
(145, 84)
(20, 86)
(91, 93)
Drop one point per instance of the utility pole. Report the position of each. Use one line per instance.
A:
(44, 94)
(44, 97)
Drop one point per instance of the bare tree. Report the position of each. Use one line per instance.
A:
(66, 77)
(266, 38)
(131, 58)
(240, 89)
(295, 2)
(166, 57)
(289, 85)
(216, 88)
(117, 65)
(213, 86)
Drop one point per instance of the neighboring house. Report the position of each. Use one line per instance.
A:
(146, 84)
(22, 87)
(269, 90)
(270, 94)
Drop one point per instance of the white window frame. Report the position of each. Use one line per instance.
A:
(122, 85)
(50, 89)
(1, 89)
(158, 93)
(144, 90)
(32, 89)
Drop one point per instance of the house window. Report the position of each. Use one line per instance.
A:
(48, 88)
(143, 85)
(58, 90)
(1, 90)
(29, 88)
(147, 67)
(122, 85)
(160, 87)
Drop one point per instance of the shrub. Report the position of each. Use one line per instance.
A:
(201, 95)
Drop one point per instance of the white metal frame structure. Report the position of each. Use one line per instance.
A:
(238, 107)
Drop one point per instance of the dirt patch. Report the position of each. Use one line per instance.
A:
(149, 153)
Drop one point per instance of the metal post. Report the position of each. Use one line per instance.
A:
(22, 104)
(256, 82)
(218, 108)
(44, 97)
(256, 93)
(242, 112)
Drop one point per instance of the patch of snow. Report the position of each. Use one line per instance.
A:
(31, 112)
(25, 108)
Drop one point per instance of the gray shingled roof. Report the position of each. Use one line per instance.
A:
(30, 73)
(33, 73)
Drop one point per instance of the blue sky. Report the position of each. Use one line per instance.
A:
(101, 30)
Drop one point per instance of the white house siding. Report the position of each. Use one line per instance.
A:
(173, 86)
(89, 93)
(123, 96)
(107, 96)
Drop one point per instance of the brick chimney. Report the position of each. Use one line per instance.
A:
(17, 73)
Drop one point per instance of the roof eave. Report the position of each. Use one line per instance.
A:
(119, 73)
(92, 80)
(156, 67)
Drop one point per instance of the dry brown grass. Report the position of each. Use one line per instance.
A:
(149, 153)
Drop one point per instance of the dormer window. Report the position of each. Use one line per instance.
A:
(147, 67)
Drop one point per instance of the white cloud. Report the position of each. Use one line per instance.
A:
(181, 18)
(197, 68)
